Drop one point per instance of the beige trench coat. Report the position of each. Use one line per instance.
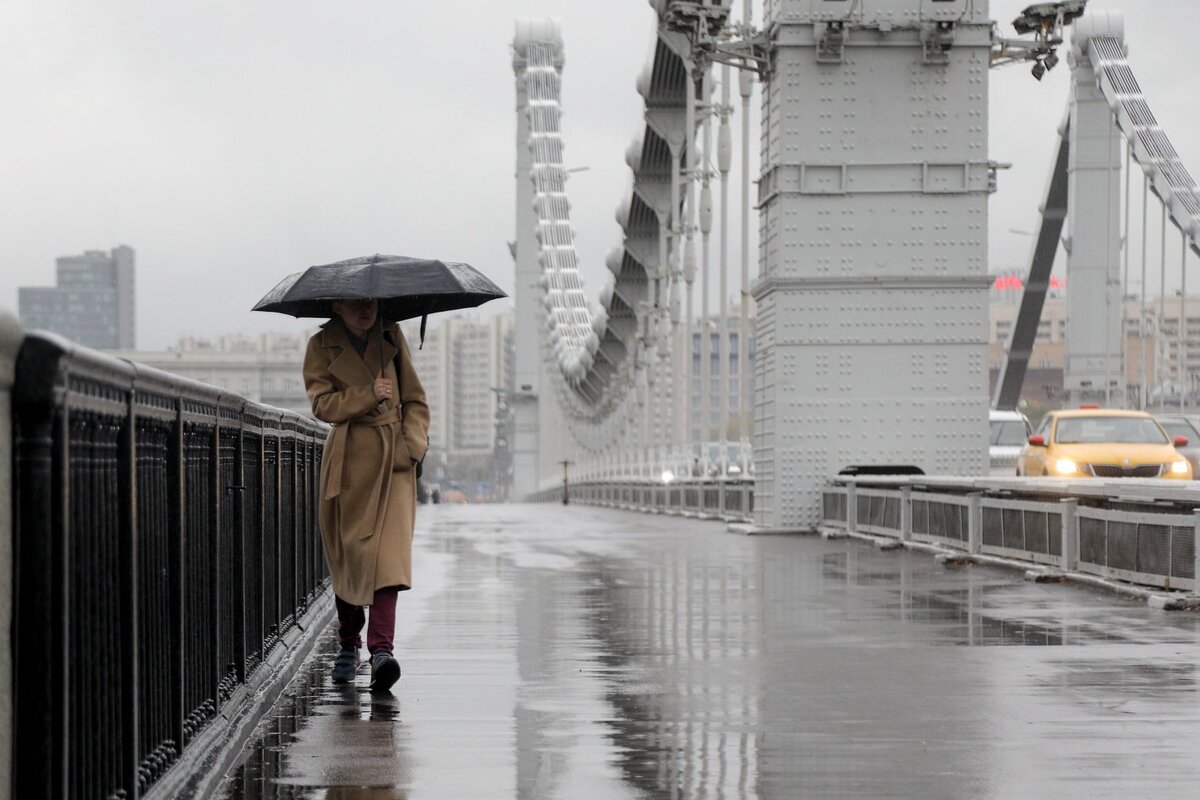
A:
(368, 484)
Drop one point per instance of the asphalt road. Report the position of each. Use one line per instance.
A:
(553, 652)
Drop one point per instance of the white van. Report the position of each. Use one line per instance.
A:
(1010, 432)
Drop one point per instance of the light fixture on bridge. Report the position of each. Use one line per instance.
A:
(1041, 27)
(1045, 19)
(937, 40)
(1044, 65)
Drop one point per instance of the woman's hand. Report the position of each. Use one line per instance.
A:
(383, 388)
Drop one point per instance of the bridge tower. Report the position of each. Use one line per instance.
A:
(873, 292)
(527, 445)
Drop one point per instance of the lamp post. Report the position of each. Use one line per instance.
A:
(501, 447)
(566, 483)
(1183, 359)
(745, 399)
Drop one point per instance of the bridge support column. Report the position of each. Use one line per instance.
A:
(11, 337)
(872, 299)
(1094, 368)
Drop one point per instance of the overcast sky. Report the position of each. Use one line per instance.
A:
(231, 143)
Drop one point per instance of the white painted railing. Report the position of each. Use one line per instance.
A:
(1142, 532)
(731, 500)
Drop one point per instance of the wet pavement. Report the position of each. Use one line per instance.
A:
(553, 652)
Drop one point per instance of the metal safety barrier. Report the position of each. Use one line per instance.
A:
(729, 500)
(165, 540)
(1141, 532)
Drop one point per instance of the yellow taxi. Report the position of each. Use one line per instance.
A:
(1092, 442)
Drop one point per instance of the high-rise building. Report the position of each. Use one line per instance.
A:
(741, 415)
(92, 301)
(431, 362)
(266, 368)
(1161, 319)
(467, 369)
(1151, 347)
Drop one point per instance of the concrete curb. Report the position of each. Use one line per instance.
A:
(201, 769)
(886, 542)
(750, 529)
(1187, 602)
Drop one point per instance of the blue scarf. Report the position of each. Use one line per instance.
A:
(358, 342)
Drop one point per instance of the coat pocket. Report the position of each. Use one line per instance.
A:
(401, 460)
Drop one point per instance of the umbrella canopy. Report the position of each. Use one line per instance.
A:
(405, 287)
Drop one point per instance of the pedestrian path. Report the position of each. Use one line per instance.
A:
(577, 652)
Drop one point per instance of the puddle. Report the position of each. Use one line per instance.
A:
(266, 772)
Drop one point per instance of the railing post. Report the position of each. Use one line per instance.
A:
(1070, 534)
(1196, 551)
(906, 513)
(974, 523)
(215, 578)
(11, 337)
(237, 495)
(297, 526)
(180, 651)
(851, 507)
(129, 568)
(42, 611)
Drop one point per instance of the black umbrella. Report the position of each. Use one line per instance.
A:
(404, 287)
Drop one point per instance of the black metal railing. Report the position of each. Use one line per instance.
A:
(166, 538)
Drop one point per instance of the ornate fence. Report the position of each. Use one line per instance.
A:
(166, 539)
(1140, 531)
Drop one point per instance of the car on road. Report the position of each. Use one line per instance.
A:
(1009, 432)
(1187, 426)
(1093, 442)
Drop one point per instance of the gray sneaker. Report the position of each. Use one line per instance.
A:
(385, 671)
(345, 666)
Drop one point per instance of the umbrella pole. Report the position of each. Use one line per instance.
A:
(379, 322)
(383, 361)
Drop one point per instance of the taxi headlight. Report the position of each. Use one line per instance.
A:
(1065, 466)
(1179, 468)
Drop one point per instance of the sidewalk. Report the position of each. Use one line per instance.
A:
(553, 652)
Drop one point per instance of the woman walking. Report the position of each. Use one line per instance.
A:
(363, 383)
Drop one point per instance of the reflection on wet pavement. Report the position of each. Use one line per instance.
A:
(577, 652)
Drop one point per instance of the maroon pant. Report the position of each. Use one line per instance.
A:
(383, 622)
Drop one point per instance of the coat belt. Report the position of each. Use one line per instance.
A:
(336, 447)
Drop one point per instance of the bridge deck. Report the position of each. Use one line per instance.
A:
(582, 652)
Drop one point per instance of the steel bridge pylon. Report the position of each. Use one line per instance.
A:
(597, 381)
(526, 402)
(873, 289)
